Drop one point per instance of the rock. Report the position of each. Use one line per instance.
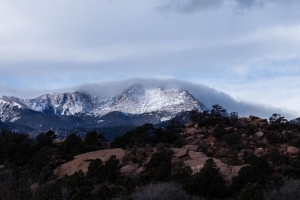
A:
(229, 129)
(248, 120)
(196, 126)
(258, 135)
(82, 161)
(253, 117)
(189, 124)
(128, 170)
(286, 132)
(191, 147)
(254, 124)
(190, 137)
(262, 124)
(201, 136)
(242, 124)
(292, 150)
(1, 167)
(260, 120)
(240, 155)
(193, 131)
(248, 151)
(243, 135)
(259, 151)
(243, 119)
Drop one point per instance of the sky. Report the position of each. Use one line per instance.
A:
(248, 49)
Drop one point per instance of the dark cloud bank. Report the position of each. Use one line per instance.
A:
(206, 95)
(187, 6)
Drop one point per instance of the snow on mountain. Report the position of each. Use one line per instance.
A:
(134, 100)
(9, 108)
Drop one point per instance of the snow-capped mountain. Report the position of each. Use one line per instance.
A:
(134, 106)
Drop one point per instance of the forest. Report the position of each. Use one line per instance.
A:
(265, 152)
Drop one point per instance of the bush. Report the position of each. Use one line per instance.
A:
(159, 166)
(273, 137)
(161, 191)
(293, 170)
(208, 182)
(72, 146)
(181, 173)
(233, 139)
(46, 139)
(100, 172)
(139, 137)
(252, 191)
(288, 190)
(248, 174)
(219, 131)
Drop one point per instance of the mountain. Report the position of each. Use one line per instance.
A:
(295, 121)
(135, 106)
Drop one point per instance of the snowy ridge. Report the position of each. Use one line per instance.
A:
(134, 100)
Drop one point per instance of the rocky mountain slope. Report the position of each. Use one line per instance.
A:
(134, 106)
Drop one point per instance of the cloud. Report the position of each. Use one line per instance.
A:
(206, 95)
(190, 6)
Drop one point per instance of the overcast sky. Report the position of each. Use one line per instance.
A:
(249, 49)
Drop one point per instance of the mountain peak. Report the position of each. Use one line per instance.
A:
(135, 100)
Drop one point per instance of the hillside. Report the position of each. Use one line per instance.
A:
(214, 156)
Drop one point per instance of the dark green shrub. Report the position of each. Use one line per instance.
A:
(72, 146)
(46, 139)
(252, 191)
(160, 191)
(208, 183)
(293, 170)
(91, 138)
(273, 137)
(219, 131)
(248, 174)
(181, 173)
(233, 139)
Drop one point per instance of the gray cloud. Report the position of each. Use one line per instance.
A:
(206, 95)
(250, 3)
(188, 6)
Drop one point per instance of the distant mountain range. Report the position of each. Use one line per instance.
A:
(65, 111)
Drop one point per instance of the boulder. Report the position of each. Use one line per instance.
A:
(254, 124)
(286, 132)
(190, 137)
(248, 120)
(253, 117)
(260, 120)
(229, 129)
(201, 136)
(258, 135)
(189, 124)
(191, 147)
(193, 131)
(82, 161)
(243, 119)
(262, 124)
(259, 151)
(292, 150)
(242, 124)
